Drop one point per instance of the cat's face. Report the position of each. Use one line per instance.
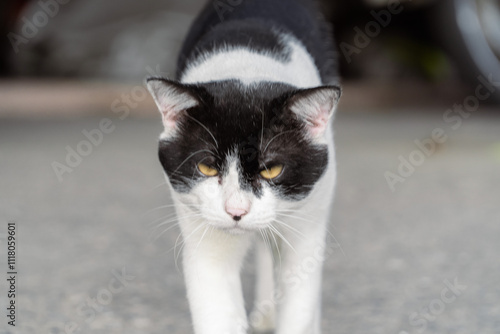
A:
(236, 154)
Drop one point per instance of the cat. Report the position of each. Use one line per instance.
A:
(248, 153)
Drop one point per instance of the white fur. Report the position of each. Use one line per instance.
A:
(249, 66)
(215, 245)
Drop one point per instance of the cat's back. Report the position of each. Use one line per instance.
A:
(269, 33)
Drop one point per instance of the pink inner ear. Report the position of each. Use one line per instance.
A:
(170, 116)
(168, 122)
(319, 122)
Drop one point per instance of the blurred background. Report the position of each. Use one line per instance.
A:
(418, 150)
(435, 47)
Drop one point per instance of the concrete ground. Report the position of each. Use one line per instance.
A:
(423, 258)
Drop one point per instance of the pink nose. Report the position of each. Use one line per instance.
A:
(236, 212)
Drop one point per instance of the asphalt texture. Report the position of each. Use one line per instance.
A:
(423, 258)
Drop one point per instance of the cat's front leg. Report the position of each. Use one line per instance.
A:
(262, 317)
(299, 284)
(212, 262)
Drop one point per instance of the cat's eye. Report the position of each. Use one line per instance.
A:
(207, 170)
(271, 173)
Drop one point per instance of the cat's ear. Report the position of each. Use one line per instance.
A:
(172, 99)
(315, 106)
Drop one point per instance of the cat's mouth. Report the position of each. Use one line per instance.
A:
(236, 230)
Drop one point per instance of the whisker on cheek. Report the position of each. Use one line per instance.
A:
(280, 212)
(291, 228)
(185, 239)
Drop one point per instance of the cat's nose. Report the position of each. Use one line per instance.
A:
(236, 212)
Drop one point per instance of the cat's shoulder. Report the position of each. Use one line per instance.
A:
(262, 26)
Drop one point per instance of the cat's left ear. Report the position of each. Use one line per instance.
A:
(315, 106)
(172, 99)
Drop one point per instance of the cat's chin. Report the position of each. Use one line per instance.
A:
(238, 229)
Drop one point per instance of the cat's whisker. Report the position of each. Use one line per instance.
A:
(156, 187)
(158, 236)
(175, 221)
(213, 146)
(276, 136)
(291, 228)
(184, 240)
(172, 217)
(200, 161)
(263, 233)
(298, 210)
(277, 247)
(262, 131)
(174, 224)
(306, 217)
(207, 227)
(212, 228)
(166, 217)
(297, 217)
(203, 126)
(189, 157)
(313, 222)
(267, 242)
(282, 237)
(268, 233)
(176, 255)
(168, 206)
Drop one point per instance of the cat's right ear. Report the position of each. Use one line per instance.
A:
(172, 99)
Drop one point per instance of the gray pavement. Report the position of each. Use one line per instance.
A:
(423, 258)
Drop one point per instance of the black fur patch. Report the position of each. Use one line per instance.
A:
(253, 123)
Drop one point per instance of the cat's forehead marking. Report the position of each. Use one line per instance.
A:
(237, 171)
(231, 175)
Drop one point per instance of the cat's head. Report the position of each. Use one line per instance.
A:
(235, 153)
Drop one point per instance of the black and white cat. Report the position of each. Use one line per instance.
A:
(248, 151)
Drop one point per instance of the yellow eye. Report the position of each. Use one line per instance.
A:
(206, 170)
(271, 173)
